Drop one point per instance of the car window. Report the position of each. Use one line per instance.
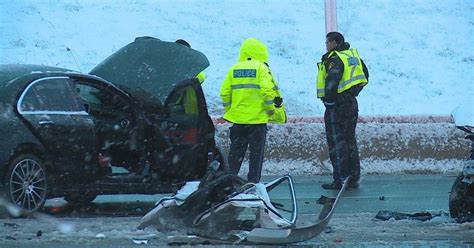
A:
(50, 94)
(101, 102)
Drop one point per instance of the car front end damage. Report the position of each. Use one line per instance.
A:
(227, 209)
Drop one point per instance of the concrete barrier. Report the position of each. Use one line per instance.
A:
(387, 144)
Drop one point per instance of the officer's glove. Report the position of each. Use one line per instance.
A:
(278, 101)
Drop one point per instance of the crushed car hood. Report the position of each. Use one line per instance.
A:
(151, 65)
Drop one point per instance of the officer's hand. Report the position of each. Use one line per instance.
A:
(278, 101)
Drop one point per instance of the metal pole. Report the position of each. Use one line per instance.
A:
(330, 15)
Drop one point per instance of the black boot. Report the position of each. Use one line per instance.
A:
(334, 185)
(353, 182)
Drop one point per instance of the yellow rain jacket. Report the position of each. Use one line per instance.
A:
(279, 116)
(247, 92)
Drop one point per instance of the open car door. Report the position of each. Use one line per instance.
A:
(154, 71)
(189, 129)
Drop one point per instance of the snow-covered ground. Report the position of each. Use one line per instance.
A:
(418, 51)
(385, 148)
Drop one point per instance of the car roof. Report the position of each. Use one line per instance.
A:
(11, 76)
(15, 77)
(12, 71)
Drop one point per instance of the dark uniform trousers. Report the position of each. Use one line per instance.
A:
(241, 137)
(340, 122)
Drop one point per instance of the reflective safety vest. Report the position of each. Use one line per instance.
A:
(353, 72)
(190, 100)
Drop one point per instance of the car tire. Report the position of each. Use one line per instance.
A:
(459, 205)
(80, 198)
(26, 183)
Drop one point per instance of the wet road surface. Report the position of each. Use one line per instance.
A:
(111, 220)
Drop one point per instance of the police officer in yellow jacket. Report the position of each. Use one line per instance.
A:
(341, 76)
(251, 99)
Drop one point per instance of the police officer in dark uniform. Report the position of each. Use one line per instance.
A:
(341, 76)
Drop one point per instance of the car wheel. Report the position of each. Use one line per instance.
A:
(26, 183)
(80, 198)
(459, 205)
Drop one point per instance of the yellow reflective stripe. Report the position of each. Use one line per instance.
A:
(321, 91)
(245, 86)
(353, 70)
(341, 85)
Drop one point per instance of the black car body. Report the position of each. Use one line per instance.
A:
(65, 133)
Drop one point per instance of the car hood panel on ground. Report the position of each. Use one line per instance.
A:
(151, 65)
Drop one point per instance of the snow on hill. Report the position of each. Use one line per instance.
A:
(418, 51)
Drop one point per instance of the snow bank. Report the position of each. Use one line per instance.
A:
(425, 146)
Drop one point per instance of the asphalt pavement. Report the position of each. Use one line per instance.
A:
(111, 220)
(401, 193)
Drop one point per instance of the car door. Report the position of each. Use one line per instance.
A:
(116, 123)
(51, 108)
(182, 125)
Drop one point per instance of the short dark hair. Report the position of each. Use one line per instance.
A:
(183, 42)
(335, 36)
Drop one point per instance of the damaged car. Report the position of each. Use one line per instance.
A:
(137, 123)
